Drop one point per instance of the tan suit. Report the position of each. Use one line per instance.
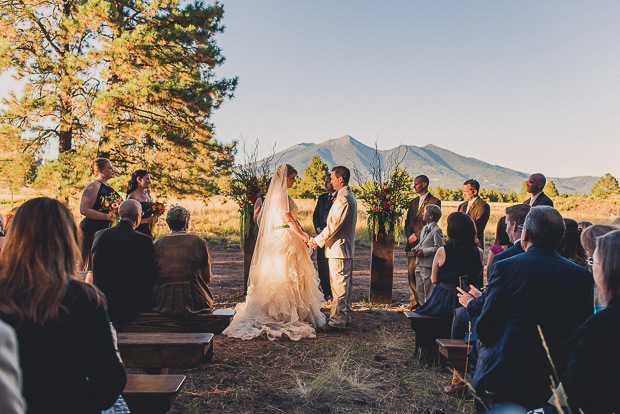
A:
(430, 242)
(338, 238)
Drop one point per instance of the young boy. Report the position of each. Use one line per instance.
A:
(431, 239)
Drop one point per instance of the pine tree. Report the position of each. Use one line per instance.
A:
(129, 80)
(606, 186)
(16, 162)
(313, 184)
(550, 189)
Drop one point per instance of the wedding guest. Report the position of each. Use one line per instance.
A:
(431, 239)
(616, 222)
(570, 247)
(137, 189)
(319, 220)
(413, 227)
(124, 266)
(460, 257)
(502, 242)
(584, 225)
(91, 207)
(259, 204)
(184, 269)
(476, 208)
(592, 369)
(6, 222)
(535, 185)
(531, 293)
(67, 352)
(11, 400)
(588, 241)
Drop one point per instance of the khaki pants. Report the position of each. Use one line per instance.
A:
(423, 283)
(413, 298)
(340, 274)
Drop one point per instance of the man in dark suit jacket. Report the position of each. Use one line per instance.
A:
(476, 208)
(319, 219)
(535, 185)
(538, 289)
(413, 227)
(124, 265)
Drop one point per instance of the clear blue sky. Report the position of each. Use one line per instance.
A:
(529, 85)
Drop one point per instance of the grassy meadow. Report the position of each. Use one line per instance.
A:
(218, 219)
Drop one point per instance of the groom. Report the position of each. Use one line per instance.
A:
(338, 238)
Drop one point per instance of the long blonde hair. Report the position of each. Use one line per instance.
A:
(38, 260)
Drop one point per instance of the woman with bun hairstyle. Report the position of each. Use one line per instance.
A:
(137, 190)
(92, 208)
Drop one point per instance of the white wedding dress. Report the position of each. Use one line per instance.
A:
(283, 297)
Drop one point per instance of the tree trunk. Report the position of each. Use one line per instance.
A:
(382, 269)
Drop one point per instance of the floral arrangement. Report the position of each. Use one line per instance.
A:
(386, 203)
(155, 208)
(110, 204)
(244, 189)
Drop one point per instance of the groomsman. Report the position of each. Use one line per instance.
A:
(535, 185)
(476, 208)
(319, 219)
(338, 237)
(413, 227)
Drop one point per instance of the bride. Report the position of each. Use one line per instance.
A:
(283, 297)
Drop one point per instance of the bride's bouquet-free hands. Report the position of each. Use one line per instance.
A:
(311, 243)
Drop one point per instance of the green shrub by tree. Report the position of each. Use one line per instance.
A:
(605, 187)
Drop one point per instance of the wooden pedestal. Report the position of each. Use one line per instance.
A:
(382, 269)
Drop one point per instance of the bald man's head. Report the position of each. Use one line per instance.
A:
(536, 183)
(130, 210)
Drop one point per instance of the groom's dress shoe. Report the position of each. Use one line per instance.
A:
(332, 329)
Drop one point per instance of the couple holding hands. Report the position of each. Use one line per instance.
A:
(284, 299)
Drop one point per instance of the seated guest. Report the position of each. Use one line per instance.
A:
(461, 256)
(531, 294)
(431, 239)
(588, 241)
(123, 265)
(184, 269)
(570, 246)
(465, 318)
(11, 400)
(67, 350)
(5, 223)
(584, 225)
(590, 379)
(502, 242)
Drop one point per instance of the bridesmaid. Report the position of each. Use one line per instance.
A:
(91, 206)
(137, 190)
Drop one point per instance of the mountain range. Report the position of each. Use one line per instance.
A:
(444, 168)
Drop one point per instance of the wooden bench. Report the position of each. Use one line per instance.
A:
(455, 351)
(429, 328)
(164, 350)
(214, 322)
(151, 394)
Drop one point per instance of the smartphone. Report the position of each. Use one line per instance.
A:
(464, 283)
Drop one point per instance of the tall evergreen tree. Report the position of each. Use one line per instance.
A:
(130, 80)
(313, 183)
(606, 186)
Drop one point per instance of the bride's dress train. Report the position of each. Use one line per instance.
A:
(283, 297)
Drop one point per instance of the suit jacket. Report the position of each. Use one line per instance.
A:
(11, 400)
(323, 205)
(338, 236)
(541, 200)
(474, 306)
(124, 270)
(413, 221)
(536, 288)
(479, 212)
(430, 242)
